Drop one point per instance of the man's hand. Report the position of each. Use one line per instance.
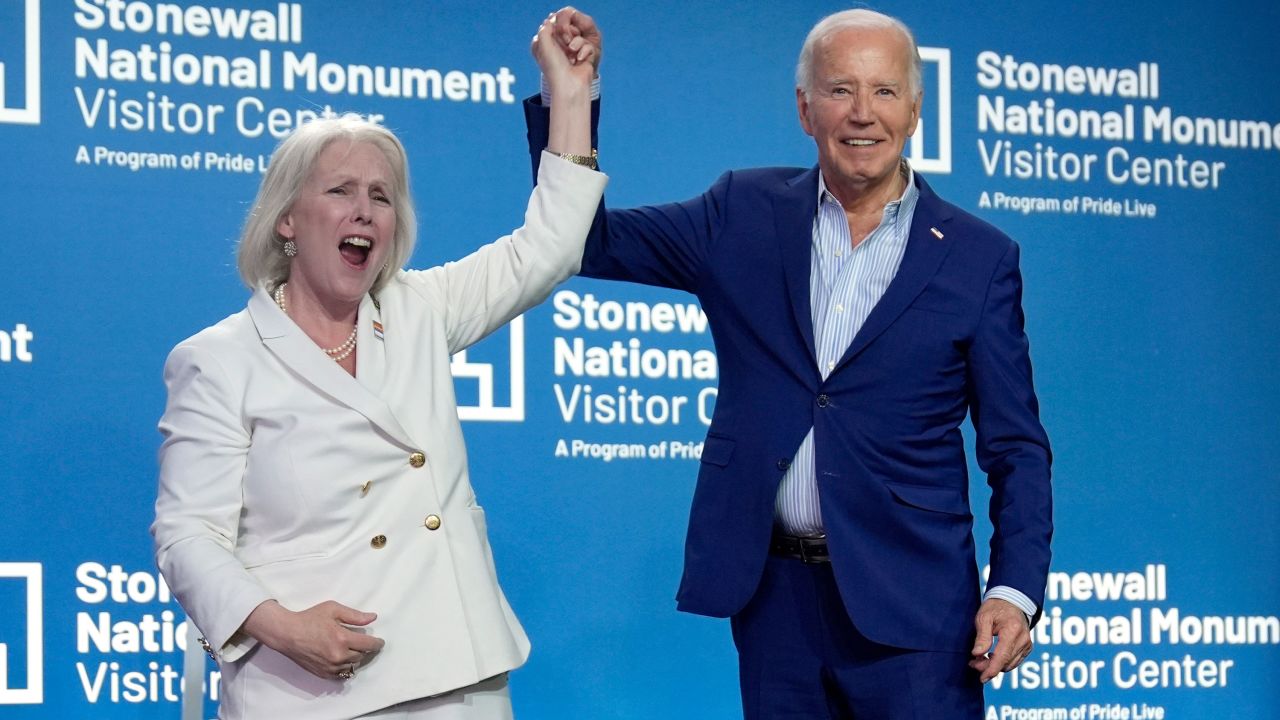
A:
(568, 47)
(1004, 620)
(576, 31)
(319, 639)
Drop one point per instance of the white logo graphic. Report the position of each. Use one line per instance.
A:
(930, 149)
(33, 693)
(483, 373)
(28, 113)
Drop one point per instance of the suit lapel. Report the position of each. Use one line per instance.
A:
(793, 213)
(925, 252)
(287, 342)
(371, 356)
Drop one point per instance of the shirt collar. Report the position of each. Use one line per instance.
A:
(908, 198)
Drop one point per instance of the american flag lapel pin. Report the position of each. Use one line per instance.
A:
(377, 330)
(936, 232)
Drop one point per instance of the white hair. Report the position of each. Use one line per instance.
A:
(856, 19)
(260, 256)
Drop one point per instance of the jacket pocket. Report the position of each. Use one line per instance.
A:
(717, 450)
(264, 559)
(931, 305)
(934, 499)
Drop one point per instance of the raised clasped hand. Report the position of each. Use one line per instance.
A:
(568, 47)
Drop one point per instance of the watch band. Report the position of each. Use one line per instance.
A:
(592, 161)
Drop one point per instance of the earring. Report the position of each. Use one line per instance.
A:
(290, 248)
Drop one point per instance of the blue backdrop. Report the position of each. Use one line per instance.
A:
(1149, 295)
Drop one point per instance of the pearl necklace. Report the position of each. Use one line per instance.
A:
(339, 353)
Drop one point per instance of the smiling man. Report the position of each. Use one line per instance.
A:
(858, 318)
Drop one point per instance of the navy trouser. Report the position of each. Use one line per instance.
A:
(800, 658)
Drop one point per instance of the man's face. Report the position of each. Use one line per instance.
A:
(860, 110)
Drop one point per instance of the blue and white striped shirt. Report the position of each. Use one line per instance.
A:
(845, 283)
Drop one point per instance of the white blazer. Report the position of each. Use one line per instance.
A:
(281, 476)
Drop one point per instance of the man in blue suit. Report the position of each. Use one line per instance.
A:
(857, 319)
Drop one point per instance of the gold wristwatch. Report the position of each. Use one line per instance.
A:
(592, 161)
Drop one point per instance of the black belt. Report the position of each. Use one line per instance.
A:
(805, 549)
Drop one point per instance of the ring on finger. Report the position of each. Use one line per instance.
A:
(347, 673)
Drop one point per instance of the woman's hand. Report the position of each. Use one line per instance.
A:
(567, 48)
(577, 41)
(319, 639)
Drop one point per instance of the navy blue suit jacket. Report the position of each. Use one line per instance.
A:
(946, 339)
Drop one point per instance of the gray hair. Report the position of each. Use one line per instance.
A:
(855, 19)
(260, 257)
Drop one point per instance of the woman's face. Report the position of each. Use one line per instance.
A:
(342, 222)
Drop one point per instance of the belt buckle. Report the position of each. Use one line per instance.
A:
(806, 543)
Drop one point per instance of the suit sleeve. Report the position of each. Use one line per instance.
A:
(1012, 447)
(662, 245)
(488, 288)
(202, 463)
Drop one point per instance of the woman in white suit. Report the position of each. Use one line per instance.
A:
(314, 514)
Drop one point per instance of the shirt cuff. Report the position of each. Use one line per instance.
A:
(545, 89)
(1008, 594)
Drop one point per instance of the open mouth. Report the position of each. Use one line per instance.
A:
(860, 142)
(355, 250)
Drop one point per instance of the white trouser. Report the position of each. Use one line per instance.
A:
(486, 700)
